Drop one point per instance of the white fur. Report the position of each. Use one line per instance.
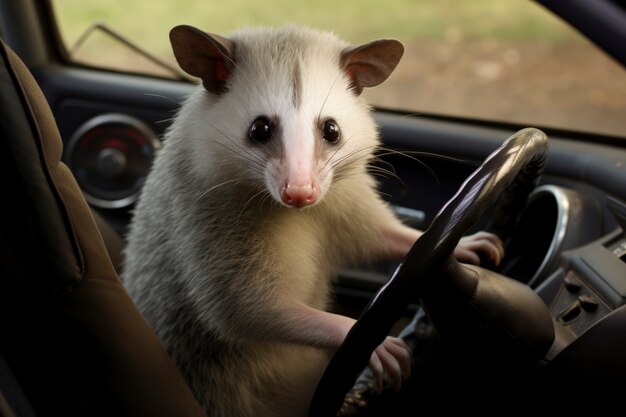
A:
(232, 280)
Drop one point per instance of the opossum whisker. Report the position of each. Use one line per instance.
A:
(225, 136)
(234, 180)
(365, 151)
(376, 174)
(256, 165)
(384, 194)
(168, 99)
(255, 195)
(349, 173)
(344, 170)
(267, 197)
(383, 172)
(237, 149)
(404, 116)
(336, 162)
(380, 165)
(408, 153)
(228, 138)
(389, 151)
(319, 115)
(340, 147)
(380, 161)
(166, 120)
(346, 173)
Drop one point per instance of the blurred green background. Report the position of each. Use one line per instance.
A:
(498, 60)
(148, 22)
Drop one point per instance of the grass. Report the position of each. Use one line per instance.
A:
(148, 22)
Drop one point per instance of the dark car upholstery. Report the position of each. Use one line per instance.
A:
(69, 333)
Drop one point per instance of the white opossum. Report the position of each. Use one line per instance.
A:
(258, 195)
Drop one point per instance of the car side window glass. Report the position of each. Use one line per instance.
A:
(511, 62)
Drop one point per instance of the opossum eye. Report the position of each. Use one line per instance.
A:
(260, 130)
(331, 132)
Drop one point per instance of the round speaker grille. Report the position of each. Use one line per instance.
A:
(110, 157)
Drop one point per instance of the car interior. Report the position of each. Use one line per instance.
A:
(77, 142)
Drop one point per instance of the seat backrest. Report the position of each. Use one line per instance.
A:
(69, 332)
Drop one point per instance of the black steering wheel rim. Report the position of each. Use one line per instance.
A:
(512, 171)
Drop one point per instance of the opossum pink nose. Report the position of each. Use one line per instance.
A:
(299, 195)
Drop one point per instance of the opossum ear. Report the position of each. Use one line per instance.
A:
(370, 64)
(203, 55)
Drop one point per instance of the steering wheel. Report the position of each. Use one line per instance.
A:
(497, 320)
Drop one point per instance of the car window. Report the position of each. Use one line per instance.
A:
(485, 59)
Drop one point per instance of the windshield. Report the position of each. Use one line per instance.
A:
(500, 61)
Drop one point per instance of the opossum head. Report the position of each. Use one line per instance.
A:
(284, 105)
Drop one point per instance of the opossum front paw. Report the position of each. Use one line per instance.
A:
(392, 359)
(471, 247)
